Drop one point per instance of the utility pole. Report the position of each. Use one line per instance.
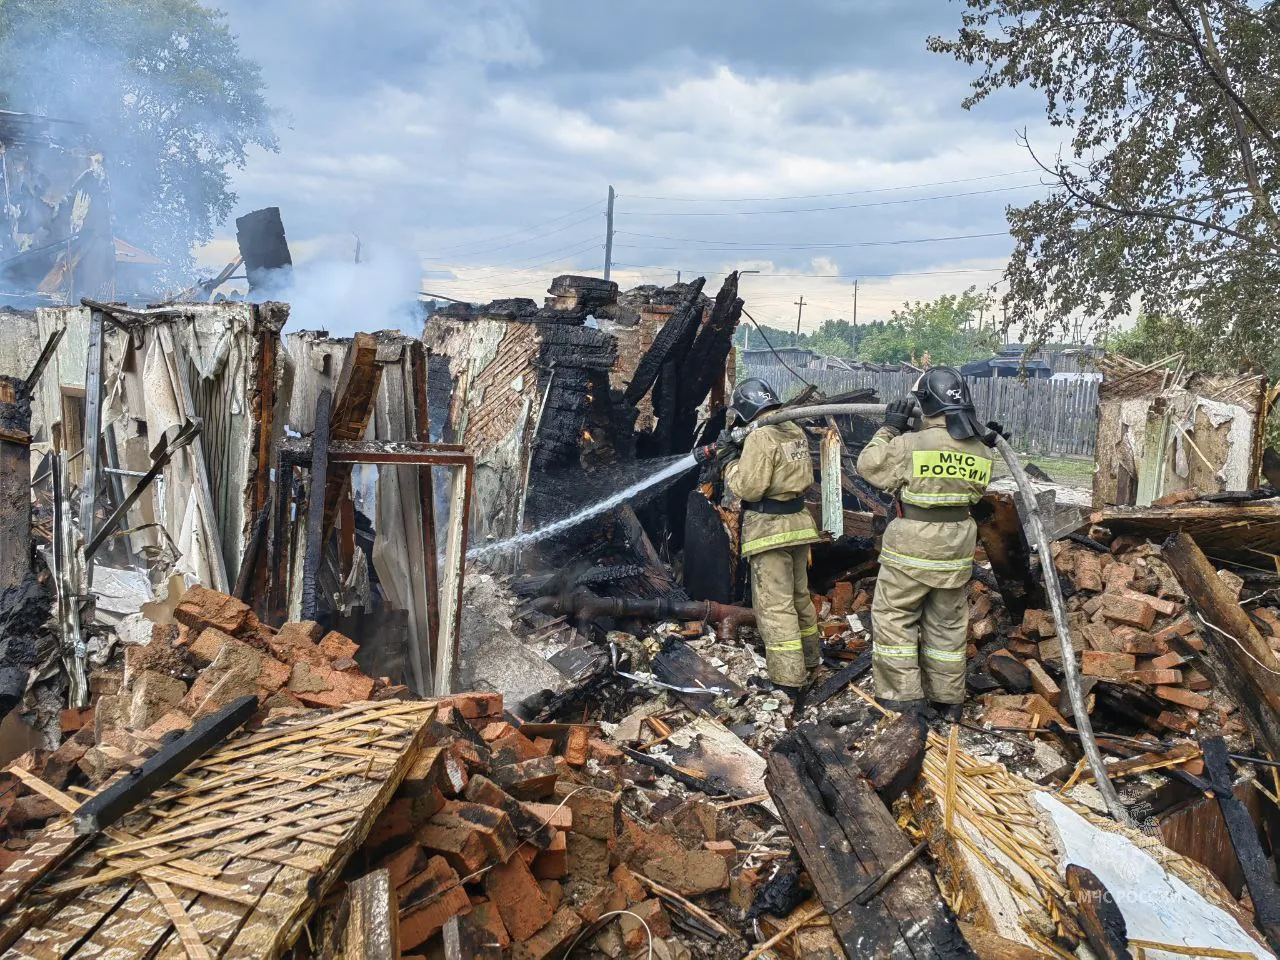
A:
(608, 236)
(799, 313)
(855, 302)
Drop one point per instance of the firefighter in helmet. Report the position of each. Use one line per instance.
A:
(920, 615)
(771, 472)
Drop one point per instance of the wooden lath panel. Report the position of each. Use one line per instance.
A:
(230, 857)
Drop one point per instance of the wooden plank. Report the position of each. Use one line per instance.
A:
(1236, 658)
(1254, 862)
(1098, 914)
(373, 929)
(846, 839)
(1006, 546)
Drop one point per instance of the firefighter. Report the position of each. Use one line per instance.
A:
(771, 473)
(920, 615)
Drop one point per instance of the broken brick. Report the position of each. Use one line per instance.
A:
(272, 676)
(171, 721)
(336, 646)
(627, 883)
(460, 842)
(73, 718)
(649, 918)
(577, 747)
(486, 923)
(555, 815)
(690, 873)
(841, 598)
(527, 824)
(1167, 661)
(553, 862)
(402, 865)
(295, 642)
(596, 813)
(551, 939)
(588, 859)
(440, 896)
(520, 901)
(602, 752)
(528, 780)
(473, 706)
(1041, 682)
(513, 748)
(1004, 717)
(201, 607)
(496, 731)
(492, 824)
(154, 695)
(1175, 721)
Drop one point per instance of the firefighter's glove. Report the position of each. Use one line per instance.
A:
(705, 455)
(898, 414)
(995, 429)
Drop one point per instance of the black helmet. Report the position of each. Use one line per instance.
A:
(942, 390)
(751, 398)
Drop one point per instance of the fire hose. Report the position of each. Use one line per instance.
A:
(1034, 528)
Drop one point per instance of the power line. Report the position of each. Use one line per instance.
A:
(838, 206)
(513, 233)
(846, 193)
(815, 276)
(515, 243)
(766, 245)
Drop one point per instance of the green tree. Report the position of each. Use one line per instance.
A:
(162, 92)
(1167, 195)
(938, 327)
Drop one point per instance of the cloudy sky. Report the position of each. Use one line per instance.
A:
(816, 141)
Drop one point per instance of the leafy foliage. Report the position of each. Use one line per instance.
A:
(835, 338)
(1167, 197)
(162, 91)
(938, 328)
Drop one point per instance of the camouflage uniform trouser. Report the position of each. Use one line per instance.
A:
(785, 616)
(920, 638)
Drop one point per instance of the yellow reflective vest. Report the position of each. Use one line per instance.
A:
(929, 469)
(775, 465)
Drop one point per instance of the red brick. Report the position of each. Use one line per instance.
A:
(336, 646)
(577, 747)
(1097, 663)
(1168, 661)
(841, 598)
(596, 813)
(73, 718)
(982, 629)
(549, 941)
(204, 650)
(553, 862)
(439, 897)
(591, 902)
(690, 872)
(1184, 698)
(1174, 721)
(405, 863)
(492, 824)
(472, 756)
(1038, 623)
(1052, 649)
(1041, 682)
(295, 642)
(627, 883)
(173, 720)
(513, 748)
(1122, 609)
(529, 780)
(1197, 681)
(487, 923)
(1154, 678)
(1140, 643)
(724, 848)
(523, 906)
(544, 746)
(496, 731)
(556, 815)
(458, 841)
(1163, 605)
(201, 607)
(425, 774)
(324, 687)
(273, 675)
(473, 706)
(1086, 572)
(553, 890)
(1182, 627)
(635, 934)
(602, 752)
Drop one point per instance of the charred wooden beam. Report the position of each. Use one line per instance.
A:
(677, 330)
(115, 801)
(1234, 649)
(840, 679)
(1006, 546)
(427, 498)
(1254, 863)
(313, 551)
(353, 403)
(848, 839)
(1098, 914)
(894, 759)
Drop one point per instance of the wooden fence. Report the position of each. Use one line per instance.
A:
(1047, 418)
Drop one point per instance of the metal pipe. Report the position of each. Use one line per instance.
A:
(587, 606)
(1035, 533)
